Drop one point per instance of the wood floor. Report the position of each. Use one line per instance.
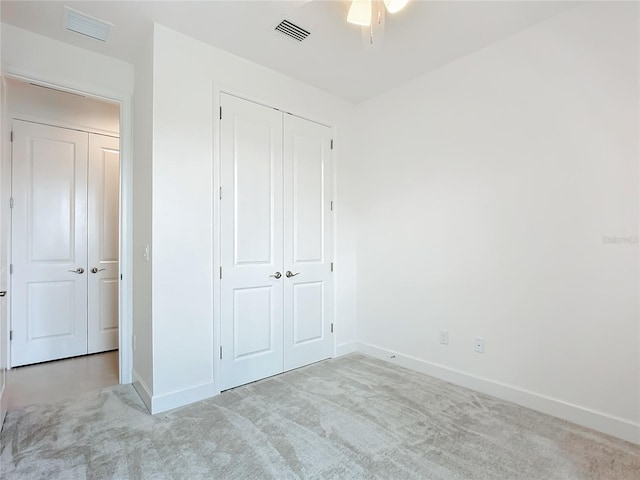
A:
(62, 379)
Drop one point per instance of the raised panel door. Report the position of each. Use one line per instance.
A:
(49, 243)
(308, 296)
(251, 242)
(103, 246)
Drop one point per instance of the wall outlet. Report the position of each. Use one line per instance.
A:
(479, 345)
(444, 336)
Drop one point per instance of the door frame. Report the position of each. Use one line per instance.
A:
(125, 307)
(219, 89)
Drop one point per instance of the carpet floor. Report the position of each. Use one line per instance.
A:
(353, 417)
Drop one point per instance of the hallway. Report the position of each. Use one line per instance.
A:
(62, 379)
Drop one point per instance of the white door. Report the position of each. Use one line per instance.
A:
(276, 297)
(308, 292)
(251, 242)
(103, 229)
(49, 243)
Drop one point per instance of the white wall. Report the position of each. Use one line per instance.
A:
(142, 208)
(486, 192)
(39, 58)
(184, 73)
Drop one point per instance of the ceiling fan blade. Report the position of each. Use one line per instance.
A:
(395, 5)
(360, 12)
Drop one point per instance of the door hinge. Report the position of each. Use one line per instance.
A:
(220, 273)
(220, 193)
(332, 328)
(220, 113)
(11, 202)
(10, 335)
(332, 144)
(120, 276)
(332, 206)
(11, 269)
(332, 266)
(11, 136)
(220, 352)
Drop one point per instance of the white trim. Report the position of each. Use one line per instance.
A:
(335, 276)
(602, 422)
(169, 401)
(346, 348)
(126, 224)
(126, 240)
(142, 389)
(42, 121)
(217, 260)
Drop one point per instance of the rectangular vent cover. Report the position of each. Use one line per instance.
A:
(292, 30)
(78, 22)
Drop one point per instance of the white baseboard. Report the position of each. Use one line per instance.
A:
(346, 348)
(142, 389)
(169, 401)
(595, 420)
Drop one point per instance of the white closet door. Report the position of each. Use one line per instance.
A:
(307, 242)
(251, 242)
(103, 226)
(49, 243)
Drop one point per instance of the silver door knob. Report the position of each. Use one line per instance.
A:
(96, 269)
(276, 275)
(78, 270)
(290, 274)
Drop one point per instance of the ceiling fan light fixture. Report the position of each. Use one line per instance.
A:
(394, 6)
(360, 13)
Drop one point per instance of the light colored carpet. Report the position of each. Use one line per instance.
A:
(351, 418)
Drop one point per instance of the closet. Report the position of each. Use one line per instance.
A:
(65, 242)
(275, 242)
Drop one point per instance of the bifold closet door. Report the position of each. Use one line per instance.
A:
(307, 242)
(49, 243)
(251, 242)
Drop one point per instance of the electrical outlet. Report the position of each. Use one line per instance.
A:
(479, 345)
(444, 336)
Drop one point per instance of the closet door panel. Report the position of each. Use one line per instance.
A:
(49, 243)
(251, 242)
(104, 233)
(307, 242)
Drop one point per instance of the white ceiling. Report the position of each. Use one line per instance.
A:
(419, 39)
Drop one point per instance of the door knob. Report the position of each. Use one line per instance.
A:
(3, 293)
(276, 275)
(78, 270)
(290, 274)
(96, 269)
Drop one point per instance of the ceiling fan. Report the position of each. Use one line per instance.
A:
(370, 15)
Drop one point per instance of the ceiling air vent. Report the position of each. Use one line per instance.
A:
(292, 30)
(78, 22)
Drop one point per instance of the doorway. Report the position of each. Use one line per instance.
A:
(65, 224)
